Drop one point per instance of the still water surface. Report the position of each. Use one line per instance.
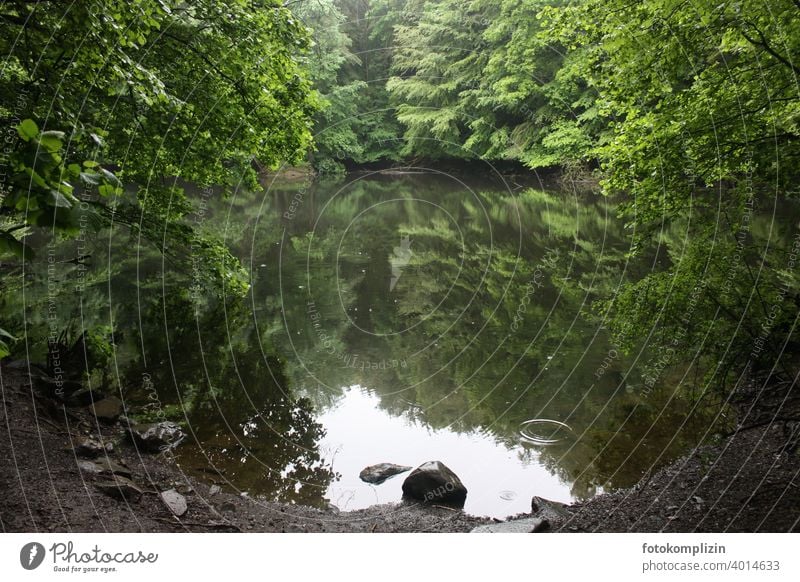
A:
(391, 318)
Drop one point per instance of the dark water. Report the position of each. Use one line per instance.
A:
(391, 318)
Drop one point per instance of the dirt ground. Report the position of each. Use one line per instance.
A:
(749, 482)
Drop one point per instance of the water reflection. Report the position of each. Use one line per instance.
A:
(457, 308)
(500, 479)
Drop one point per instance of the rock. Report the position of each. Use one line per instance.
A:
(550, 511)
(119, 488)
(85, 397)
(89, 467)
(110, 467)
(88, 448)
(107, 410)
(377, 474)
(175, 502)
(156, 437)
(104, 467)
(214, 489)
(434, 482)
(184, 489)
(526, 525)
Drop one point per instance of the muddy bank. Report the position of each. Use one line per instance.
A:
(746, 482)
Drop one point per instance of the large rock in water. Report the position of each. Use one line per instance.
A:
(157, 437)
(377, 474)
(434, 482)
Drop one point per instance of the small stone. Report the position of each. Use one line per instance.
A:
(184, 489)
(89, 467)
(119, 488)
(103, 467)
(377, 474)
(175, 502)
(214, 489)
(107, 410)
(110, 467)
(157, 437)
(88, 448)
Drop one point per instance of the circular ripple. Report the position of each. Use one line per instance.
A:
(543, 431)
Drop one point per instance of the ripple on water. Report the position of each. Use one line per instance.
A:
(543, 431)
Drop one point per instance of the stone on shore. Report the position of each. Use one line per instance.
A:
(104, 466)
(157, 437)
(525, 525)
(85, 397)
(552, 512)
(89, 448)
(434, 482)
(175, 502)
(107, 410)
(119, 488)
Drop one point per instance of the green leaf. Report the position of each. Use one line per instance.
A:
(90, 178)
(110, 177)
(58, 200)
(59, 135)
(28, 129)
(51, 143)
(8, 244)
(108, 190)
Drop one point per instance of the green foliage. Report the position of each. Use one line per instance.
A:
(691, 95)
(349, 64)
(41, 185)
(5, 339)
(437, 65)
(336, 137)
(169, 91)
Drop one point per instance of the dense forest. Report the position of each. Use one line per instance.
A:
(686, 112)
(680, 119)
